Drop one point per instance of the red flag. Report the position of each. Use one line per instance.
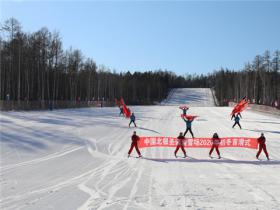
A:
(117, 102)
(244, 106)
(126, 110)
(122, 101)
(241, 106)
(189, 117)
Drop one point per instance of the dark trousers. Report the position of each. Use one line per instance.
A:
(178, 147)
(132, 121)
(134, 144)
(214, 147)
(236, 123)
(262, 147)
(188, 129)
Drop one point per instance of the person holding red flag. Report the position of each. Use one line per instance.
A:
(236, 122)
(121, 111)
(189, 125)
(184, 109)
(238, 114)
(241, 106)
(215, 145)
(180, 144)
(134, 143)
(126, 110)
(262, 146)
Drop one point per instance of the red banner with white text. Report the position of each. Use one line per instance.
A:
(243, 142)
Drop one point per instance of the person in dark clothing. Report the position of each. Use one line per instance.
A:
(262, 146)
(185, 109)
(236, 122)
(134, 143)
(188, 125)
(121, 111)
(180, 144)
(132, 119)
(215, 145)
(238, 114)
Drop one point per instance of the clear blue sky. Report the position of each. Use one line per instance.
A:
(184, 37)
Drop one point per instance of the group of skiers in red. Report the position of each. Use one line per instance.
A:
(215, 145)
(215, 139)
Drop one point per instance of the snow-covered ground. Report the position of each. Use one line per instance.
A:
(77, 159)
(191, 96)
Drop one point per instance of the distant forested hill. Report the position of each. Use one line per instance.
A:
(34, 67)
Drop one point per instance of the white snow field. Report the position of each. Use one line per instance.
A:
(77, 159)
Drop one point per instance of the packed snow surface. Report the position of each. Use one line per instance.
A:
(77, 159)
(190, 96)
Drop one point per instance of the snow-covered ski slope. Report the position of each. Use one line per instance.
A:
(77, 159)
(190, 96)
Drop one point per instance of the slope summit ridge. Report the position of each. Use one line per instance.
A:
(195, 97)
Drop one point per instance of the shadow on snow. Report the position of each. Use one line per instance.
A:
(193, 160)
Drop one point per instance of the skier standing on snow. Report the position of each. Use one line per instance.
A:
(236, 121)
(262, 146)
(215, 145)
(189, 126)
(132, 119)
(180, 144)
(134, 143)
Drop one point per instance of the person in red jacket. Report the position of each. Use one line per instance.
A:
(134, 143)
(180, 144)
(215, 145)
(262, 146)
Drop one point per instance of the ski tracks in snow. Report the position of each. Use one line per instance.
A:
(42, 159)
(115, 175)
(106, 179)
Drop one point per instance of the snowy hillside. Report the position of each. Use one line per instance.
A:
(77, 159)
(190, 96)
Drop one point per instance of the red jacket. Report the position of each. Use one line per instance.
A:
(135, 138)
(216, 141)
(261, 140)
(180, 140)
